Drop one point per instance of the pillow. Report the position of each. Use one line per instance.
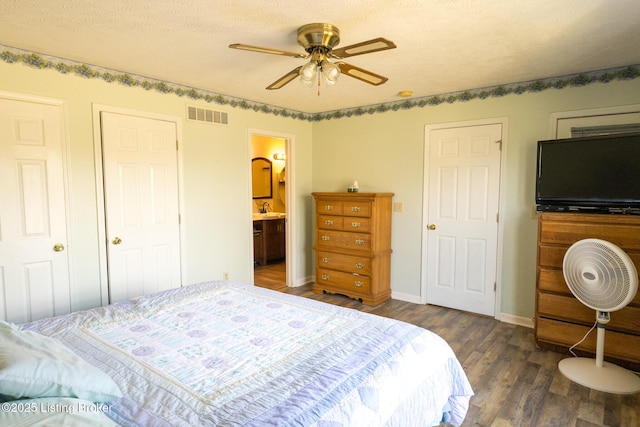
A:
(54, 411)
(7, 325)
(33, 365)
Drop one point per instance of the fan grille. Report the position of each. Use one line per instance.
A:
(600, 274)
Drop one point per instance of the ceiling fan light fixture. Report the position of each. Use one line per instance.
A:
(308, 72)
(330, 71)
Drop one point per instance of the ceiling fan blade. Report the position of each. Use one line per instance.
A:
(361, 74)
(241, 46)
(285, 79)
(369, 46)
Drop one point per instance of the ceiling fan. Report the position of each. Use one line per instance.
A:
(319, 40)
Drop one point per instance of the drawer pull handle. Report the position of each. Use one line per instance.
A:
(328, 207)
(355, 224)
(358, 283)
(325, 260)
(355, 208)
(360, 265)
(325, 238)
(325, 277)
(328, 222)
(359, 242)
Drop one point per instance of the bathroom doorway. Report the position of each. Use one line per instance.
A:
(270, 209)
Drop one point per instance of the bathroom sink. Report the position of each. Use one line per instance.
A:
(269, 215)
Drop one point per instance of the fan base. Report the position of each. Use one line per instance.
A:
(610, 378)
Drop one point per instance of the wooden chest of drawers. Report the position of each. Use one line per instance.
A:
(353, 245)
(562, 320)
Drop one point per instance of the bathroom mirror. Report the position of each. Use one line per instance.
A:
(261, 178)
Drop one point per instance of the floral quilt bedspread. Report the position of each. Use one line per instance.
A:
(226, 354)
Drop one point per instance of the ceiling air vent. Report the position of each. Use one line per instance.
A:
(207, 116)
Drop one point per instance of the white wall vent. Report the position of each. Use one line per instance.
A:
(206, 115)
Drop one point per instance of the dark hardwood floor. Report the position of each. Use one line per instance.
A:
(515, 383)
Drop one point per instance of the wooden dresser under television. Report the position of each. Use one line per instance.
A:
(353, 245)
(561, 320)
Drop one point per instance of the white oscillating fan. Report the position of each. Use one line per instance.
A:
(602, 277)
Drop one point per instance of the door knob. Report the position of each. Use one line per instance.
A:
(58, 247)
(116, 241)
(432, 226)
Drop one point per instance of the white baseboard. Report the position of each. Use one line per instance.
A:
(504, 317)
(303, 281)
(405, 297)
(401, 296)
(527, 322)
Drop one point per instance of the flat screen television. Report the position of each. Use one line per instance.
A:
(596, 173)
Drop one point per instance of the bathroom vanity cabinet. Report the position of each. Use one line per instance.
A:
(269, 240)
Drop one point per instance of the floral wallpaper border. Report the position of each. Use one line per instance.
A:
(67, 67)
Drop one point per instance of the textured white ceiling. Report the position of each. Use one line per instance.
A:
(444, 46)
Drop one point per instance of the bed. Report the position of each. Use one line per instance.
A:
(226, 354)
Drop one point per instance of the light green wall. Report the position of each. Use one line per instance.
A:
(384, 152)
(216, 169)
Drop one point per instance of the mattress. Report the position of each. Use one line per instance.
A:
(230, 354)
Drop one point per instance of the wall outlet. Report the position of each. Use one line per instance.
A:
(225, 275)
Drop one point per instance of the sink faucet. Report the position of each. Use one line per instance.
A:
(265, 207)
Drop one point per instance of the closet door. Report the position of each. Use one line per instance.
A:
(141, 205)
(462, 232)
(34, 258)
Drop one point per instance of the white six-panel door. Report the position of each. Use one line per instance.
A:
(141, 205)
(462, 224)
(34, 264)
